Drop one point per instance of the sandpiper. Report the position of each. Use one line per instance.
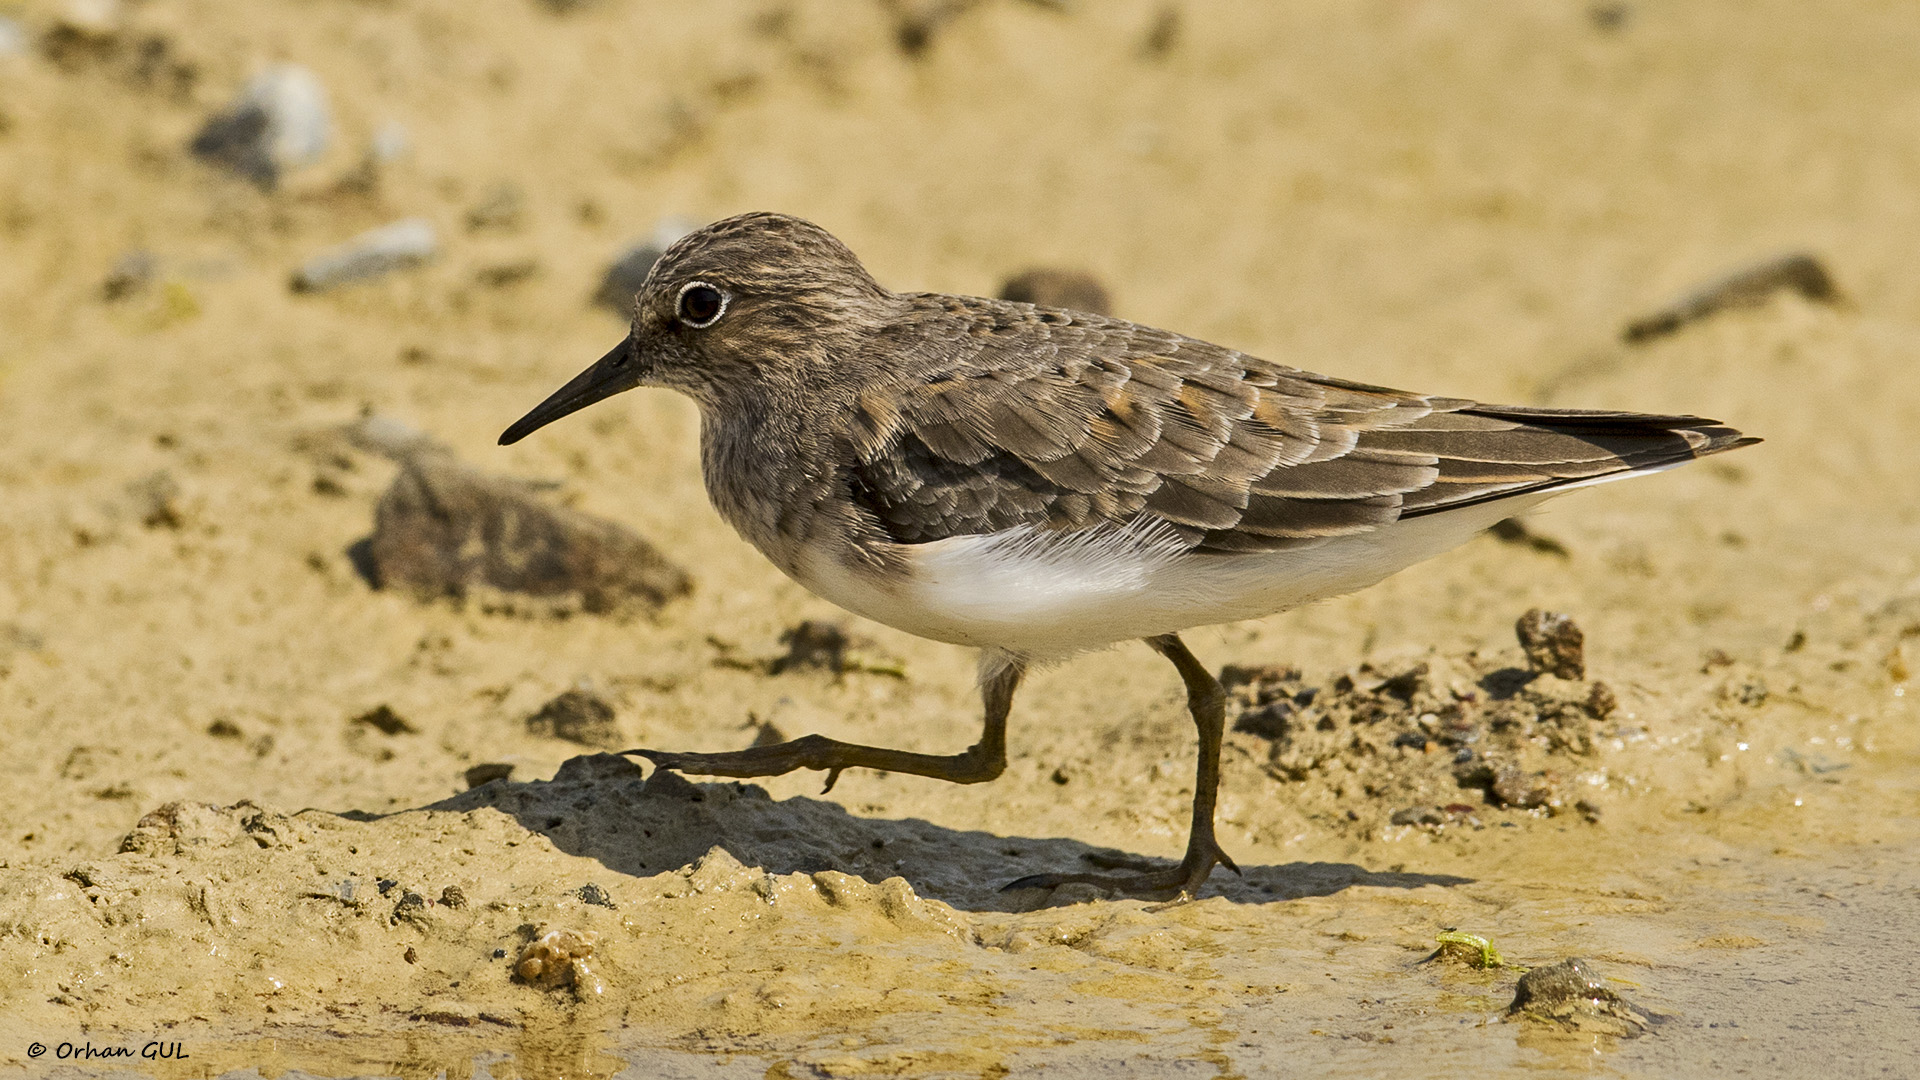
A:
(1036, 482)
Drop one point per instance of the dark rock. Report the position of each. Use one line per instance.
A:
(1269, 721)
(1601, 701)
(156, 500)
(1749, 287)
(630, 268)
(487, 773)
(579, 716)
(131, 274)
(667, 784)
(1553, 643)
(453, 897)
(277, 124)
(1569, 995)
(813, 644)
(383, 719)
(596, 768)
(1419, 815)
(443, 530)
(594, 894)
(1071, 289)
(1515, 531)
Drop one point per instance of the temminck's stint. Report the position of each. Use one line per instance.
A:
(1036, 482)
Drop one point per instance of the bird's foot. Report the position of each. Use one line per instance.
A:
(832, 755)
(1177, 884)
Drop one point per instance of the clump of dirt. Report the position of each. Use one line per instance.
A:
(1435, 742)
(1570, 996)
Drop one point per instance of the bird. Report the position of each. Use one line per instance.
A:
(1037, 482)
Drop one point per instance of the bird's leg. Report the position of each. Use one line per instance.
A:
(1207, 700)
(984, 760)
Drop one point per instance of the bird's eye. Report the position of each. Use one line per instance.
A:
(701, 305)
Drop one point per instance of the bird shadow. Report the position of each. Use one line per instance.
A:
(602, 807)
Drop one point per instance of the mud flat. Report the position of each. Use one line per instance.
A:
(261, 804)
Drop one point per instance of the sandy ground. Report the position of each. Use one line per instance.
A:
(201, 846)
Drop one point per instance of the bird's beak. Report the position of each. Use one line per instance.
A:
(618, 370)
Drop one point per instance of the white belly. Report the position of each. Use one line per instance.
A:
(1047, 594)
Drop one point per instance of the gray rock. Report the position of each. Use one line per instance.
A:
(404, 243)
(1570, 995)
(279, 123)
(13, 38)
(630, 268)
(1072, 289)
(443, 529)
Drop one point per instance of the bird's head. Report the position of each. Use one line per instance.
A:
(747, 301)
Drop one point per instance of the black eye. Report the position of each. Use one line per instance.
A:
(701, 305)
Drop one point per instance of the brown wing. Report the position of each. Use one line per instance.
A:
(1067, 421)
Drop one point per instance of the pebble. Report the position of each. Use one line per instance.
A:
(579, 716)
(13, 38)
(630, 268)
(1553, 642)
(443, 529)
(1747, 287)
(279, 123)
(131, 274)
(1075, 290)
(559, 958)
(487, 772)
(404, 243)
(1570, 995)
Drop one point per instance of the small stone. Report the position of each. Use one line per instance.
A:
(13, 38)
(595, 895)
(224, 729)
(1270, 721)
(156, 499)
(1569, 995)
(278, 123)
(630, 268)
(383, 719)
(1553, 643)
(130, 275)
(1601, 701)
(453, 897)
(503, 208)
(1749, 287)
(1072, 289)
(1522, 790)
(411, 906)
(579, 716)
(667, 784)
(443, 529)
(596, 769)
(548, 961)
(487, 773)
(814, 644)
(402, 244)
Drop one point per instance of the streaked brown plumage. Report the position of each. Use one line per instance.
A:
(934, 461)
